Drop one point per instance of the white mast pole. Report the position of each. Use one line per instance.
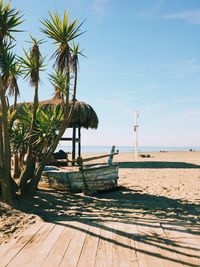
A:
(136, 132)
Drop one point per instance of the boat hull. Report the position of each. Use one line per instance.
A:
(93, 179)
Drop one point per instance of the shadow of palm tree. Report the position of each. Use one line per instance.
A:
(121, 205)
(129, 207)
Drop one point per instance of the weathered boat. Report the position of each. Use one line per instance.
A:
(88, 179)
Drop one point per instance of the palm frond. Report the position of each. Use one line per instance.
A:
(7, 61)
(59, 80)
(13, 85)
(32, 63)
(62, 31)
(75, 52)
(10, 18)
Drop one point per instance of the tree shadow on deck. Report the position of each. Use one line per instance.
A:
(129, 207)
(149, 244)
(157, 165)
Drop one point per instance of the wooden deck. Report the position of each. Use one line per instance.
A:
(103, 243)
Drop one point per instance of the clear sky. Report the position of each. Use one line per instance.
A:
(141, 55)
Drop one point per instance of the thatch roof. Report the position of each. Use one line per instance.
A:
(83, 114)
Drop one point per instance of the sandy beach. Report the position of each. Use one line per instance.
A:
(175, 175)
(165, 186)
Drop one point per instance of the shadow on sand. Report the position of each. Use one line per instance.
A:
(158, 165)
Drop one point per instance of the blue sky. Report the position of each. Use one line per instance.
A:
(141, 55)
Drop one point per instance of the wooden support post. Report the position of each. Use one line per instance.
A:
(110, 159)
(73, 145)
(79, 143)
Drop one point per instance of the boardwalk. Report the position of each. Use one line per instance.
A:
(144, 243)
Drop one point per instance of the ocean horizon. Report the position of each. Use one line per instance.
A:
(123, 149)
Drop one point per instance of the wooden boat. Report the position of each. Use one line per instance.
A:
(88, 179)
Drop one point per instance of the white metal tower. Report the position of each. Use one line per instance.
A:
(136, 125)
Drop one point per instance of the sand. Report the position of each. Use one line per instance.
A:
(175, 175)
(13, 222)
(164, 187)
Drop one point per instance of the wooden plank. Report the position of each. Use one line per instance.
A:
(79, 143)
(175, 230)
(152, 254)
(122, 252)
(141, 259)
(9, 250)
(32, 254)
(100, 156)
(88, 254)
(55, 256)
(105, 246)
(165, 247)
(132, 233)
(73, 145)
(188, 251)
(74, 249)
(187, 243)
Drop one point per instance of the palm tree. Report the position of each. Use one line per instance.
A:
(62, 32)
(9, 20)
(13, 88)
(32, 64)
(74, 65)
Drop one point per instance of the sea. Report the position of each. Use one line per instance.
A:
(123, 149)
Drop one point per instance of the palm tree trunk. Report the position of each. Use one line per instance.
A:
(28, 172)
(68, 78)
(17, 169)
(5, 129)
(33, 185)
(7, 189)
(15, 100)
(35, 105)
(75, 83)
(1, 144)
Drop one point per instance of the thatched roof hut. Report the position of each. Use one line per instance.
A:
(83, 114)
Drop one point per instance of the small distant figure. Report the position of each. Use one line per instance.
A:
(145, 156)
(191, 150)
